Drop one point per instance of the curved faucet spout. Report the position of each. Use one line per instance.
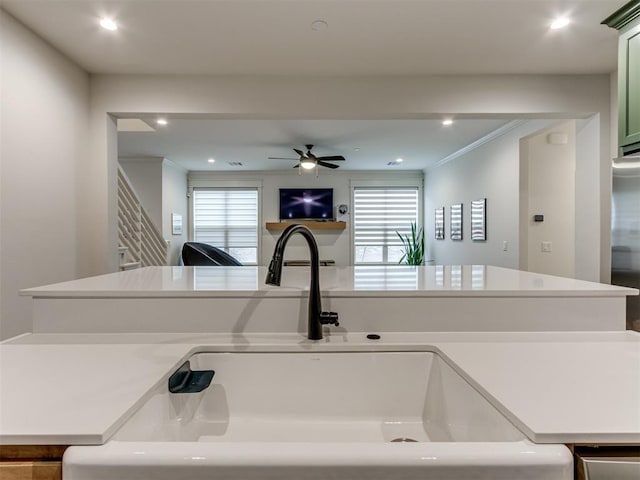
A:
(274, 275)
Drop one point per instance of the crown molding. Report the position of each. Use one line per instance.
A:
(623, 16)
(498, 132)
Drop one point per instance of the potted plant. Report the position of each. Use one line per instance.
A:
(413, 246)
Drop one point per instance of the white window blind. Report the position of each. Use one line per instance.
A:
(378, 213)
(227, 219)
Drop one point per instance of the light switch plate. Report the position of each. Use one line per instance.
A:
(546, 247)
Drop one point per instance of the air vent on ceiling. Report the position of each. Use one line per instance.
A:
(393, 164)
(235, 164)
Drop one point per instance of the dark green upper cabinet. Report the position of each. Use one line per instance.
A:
(627, 21)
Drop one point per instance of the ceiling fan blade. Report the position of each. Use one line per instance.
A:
(328, 165)
(308, 156)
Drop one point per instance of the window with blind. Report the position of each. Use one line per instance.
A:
(227, 219)
(378, 213)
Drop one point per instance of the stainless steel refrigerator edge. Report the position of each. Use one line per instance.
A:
(625, 232)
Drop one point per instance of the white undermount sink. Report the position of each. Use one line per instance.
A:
(374, 415)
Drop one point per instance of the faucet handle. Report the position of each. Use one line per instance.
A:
(329, 318)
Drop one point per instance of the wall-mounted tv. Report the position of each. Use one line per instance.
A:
(306, 203)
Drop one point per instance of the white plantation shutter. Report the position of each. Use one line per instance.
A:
(378, 213)
(227, 219)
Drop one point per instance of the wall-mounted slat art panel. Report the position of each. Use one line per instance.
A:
(479, 220)
(456, 222)
(439, 223)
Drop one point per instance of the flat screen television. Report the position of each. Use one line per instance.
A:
(306, 204)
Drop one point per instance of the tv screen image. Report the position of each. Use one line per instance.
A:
(306, 203)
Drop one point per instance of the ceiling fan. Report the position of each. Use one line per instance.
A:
(308, 160)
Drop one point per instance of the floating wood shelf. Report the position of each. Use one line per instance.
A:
(313, 225)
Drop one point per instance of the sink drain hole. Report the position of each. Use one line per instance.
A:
(404, 440)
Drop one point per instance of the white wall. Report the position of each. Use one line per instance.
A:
(587, 238)
(510, 96)
(489, 171)
(43, 140)
(548, 178)
(174, 200)
(332, 244)
(492, 171)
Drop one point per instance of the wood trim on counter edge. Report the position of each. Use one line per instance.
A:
(31, 462)
(45, 470)
(313, 225)
(31, 452)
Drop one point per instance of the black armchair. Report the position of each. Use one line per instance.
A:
(203, 254)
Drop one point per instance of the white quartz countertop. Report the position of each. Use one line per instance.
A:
(556, 387)
(358, 281)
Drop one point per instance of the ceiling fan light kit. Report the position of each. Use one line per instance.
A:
(309, 161)
(308, 164)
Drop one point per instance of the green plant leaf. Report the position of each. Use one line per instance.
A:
(413, 245)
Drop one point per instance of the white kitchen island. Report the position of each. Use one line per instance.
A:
(550, 354)
(367, 298)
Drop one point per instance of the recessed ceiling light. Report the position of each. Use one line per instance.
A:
(212, 160)
(162, 121)
(356, 149)
(447, 121)
(560, 22)
(108, 24)
(399, 160)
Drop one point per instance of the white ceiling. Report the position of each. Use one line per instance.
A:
(364, 37)
(190, 143)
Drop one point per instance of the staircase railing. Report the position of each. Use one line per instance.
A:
(136, 230)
